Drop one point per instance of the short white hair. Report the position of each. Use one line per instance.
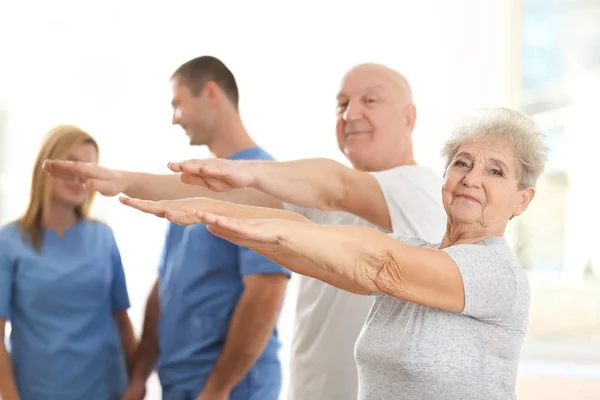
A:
(525, 136)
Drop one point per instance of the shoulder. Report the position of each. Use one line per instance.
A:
(417, 174)
(95, 228)
(262, 154)
(413, 240)
(494, 250)
(10, 232)
(10, 240)
(254, 153)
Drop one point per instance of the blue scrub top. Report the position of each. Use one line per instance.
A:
(60, 302)
(200, 285)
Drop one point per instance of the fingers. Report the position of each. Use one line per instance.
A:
(210, 167)
(184, 218)
(187, 165)
(216, 185)
(150, 207)
(79, 169)
(105, 188)
(50, 167)
(193, 179)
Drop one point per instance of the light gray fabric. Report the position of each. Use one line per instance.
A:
(407, 351)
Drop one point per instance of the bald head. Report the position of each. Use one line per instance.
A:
(396, 81)
(376, 117)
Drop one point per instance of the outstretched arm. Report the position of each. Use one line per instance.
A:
(370, 259)
(183, 212)
(314, 183)
(110, 182)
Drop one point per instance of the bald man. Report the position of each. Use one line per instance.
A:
(385, 189)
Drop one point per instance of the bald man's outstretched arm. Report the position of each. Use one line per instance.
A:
(314, 183)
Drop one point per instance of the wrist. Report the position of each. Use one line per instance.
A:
(126, 180)
(257, 171)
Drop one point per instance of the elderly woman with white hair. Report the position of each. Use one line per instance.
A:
(450, 317)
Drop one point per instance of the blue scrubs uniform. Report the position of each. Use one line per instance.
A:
(200, 285)
(60, 302)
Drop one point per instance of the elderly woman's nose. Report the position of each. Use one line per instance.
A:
(473, 178)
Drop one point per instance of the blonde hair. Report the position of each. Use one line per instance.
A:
(524, 135)
(58, 144)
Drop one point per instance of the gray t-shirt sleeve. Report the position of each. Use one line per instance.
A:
(490, 280)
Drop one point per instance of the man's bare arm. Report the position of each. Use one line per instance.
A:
(314, 183)
(8, 388)
(251, 326)
(147, 350)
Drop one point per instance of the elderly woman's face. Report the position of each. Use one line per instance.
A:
(481, 186)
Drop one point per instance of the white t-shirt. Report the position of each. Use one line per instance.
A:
(329, 320)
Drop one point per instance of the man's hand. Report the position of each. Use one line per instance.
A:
(135, 391)
(219, 175)
(108, 182)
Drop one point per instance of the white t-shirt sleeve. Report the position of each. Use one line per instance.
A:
(414, 202)
(305, 212)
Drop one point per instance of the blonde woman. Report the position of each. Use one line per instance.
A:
(62, 287)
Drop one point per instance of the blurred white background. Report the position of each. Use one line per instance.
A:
(106, 66)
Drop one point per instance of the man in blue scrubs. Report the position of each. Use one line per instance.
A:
(210, 318)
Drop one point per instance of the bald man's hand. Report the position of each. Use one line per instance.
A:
(106, 181)
(218, 175)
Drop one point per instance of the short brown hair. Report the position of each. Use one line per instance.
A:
(197, 72)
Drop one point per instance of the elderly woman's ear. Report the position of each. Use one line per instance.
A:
(525, 197)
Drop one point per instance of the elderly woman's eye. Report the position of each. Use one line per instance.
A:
(497, 172)
(460, 164)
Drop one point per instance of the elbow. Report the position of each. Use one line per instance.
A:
(335, 191)
(386, 274)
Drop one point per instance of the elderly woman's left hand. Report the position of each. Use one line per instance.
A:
(159, 208)
(237, 230)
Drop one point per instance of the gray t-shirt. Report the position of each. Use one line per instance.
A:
(408, 351)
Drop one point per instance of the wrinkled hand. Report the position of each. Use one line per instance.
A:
(160, 208)
(107, 182)
(219, 175)
(236, 230)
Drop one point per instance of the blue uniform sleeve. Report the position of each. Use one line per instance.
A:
(119, 294)
(252, 263)
(7, 272)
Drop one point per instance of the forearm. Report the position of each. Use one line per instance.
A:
(145, 359)
(301, 265)
(147, 350)
(314, 183)
(170, 187)
(354, 252)
(8, 388)
(251, 326)
(128, 341)
(233, 210)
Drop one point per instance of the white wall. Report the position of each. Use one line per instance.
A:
(106, 67)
